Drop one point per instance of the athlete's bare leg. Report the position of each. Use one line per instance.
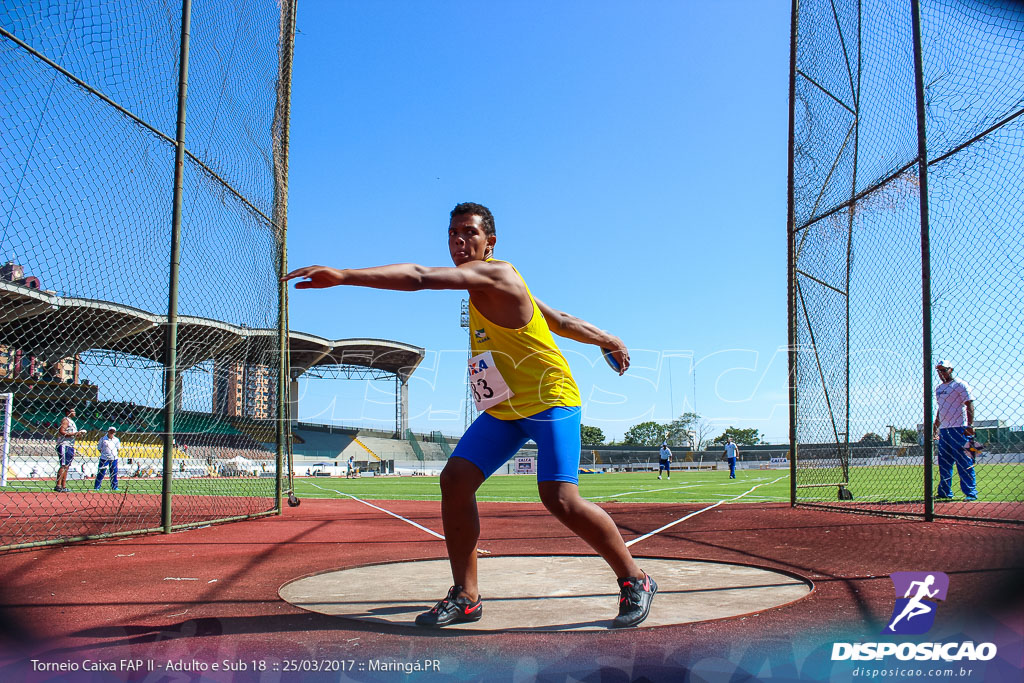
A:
(459, 481)
(590, 523)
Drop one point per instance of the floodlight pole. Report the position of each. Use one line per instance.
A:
(171, 335)
(926, 274)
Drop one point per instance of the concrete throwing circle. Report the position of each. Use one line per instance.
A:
(544, 593)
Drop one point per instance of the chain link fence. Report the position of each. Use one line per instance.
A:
(142, 238)
(906, 206)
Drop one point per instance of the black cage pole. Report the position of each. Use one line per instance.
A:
(926, 275)
(171, 335)
(791, 255)
(282, 124)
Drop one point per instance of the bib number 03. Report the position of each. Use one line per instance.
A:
(489, 387)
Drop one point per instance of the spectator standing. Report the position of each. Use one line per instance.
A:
(66, 433)
(955, 402)
(665, 461)
(730, 453)
(108, 445)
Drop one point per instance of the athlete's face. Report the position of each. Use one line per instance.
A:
(467, 240)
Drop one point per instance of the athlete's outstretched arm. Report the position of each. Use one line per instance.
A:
(406, 277)
(571, 327)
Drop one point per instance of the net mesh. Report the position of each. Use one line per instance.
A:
(856, 235)
(89, 110)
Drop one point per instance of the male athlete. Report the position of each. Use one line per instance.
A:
(525, 390)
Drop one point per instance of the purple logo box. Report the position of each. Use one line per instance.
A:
(916, 596)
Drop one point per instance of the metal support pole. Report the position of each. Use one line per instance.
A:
(926, 275)
(791, 257)
(171, 336)
(849, 243)
(281, 126)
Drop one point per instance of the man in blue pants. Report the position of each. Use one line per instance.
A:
(108, 446)
(955, 402)
(730, 453)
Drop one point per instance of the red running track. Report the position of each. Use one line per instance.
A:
(210, 594)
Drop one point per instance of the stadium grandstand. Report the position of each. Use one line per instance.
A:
(40, 368)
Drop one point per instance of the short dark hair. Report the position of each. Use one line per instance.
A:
(474, 209)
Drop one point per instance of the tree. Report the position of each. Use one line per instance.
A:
(677, 432)
(645, 434)
(871, 437)
(743, 437)
(591, 436)
(907, 435)
(689, 429)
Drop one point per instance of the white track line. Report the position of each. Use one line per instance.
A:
(387, 512)
(694, 514)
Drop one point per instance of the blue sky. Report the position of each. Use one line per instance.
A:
(634, 156)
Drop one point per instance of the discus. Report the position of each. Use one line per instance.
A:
(610, 359)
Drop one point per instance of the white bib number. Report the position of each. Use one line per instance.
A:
(489, 387)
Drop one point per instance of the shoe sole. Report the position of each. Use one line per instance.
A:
(456, 620)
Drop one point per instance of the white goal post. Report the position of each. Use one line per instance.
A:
(6, 407)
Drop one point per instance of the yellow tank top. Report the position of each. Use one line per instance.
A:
(528, 360)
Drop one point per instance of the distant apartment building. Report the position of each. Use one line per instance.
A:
(242, 389)
(19, 364)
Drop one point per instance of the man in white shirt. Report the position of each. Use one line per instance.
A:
(665, 461)
(66, 433)
(955, 402)
(730, 453)
(108, 446)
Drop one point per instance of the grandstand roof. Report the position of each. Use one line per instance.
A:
(39, 321)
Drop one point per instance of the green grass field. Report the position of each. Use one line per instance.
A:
(626, 487)
(996, 483)
(263, 487)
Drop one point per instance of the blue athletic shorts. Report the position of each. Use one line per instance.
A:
(66, 453)
(490, 442)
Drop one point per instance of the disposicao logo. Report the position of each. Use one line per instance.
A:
(914, 614)
(916, 593)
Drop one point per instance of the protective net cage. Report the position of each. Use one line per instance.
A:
(90, 119)
(877, 270)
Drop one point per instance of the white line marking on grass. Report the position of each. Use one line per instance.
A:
(387, 512)
(694, 514)
(479, 550)
(630, 493)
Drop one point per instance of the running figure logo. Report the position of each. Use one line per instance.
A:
(914, 613)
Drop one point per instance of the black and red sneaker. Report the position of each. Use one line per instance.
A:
(453, 608)
(635, 597)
